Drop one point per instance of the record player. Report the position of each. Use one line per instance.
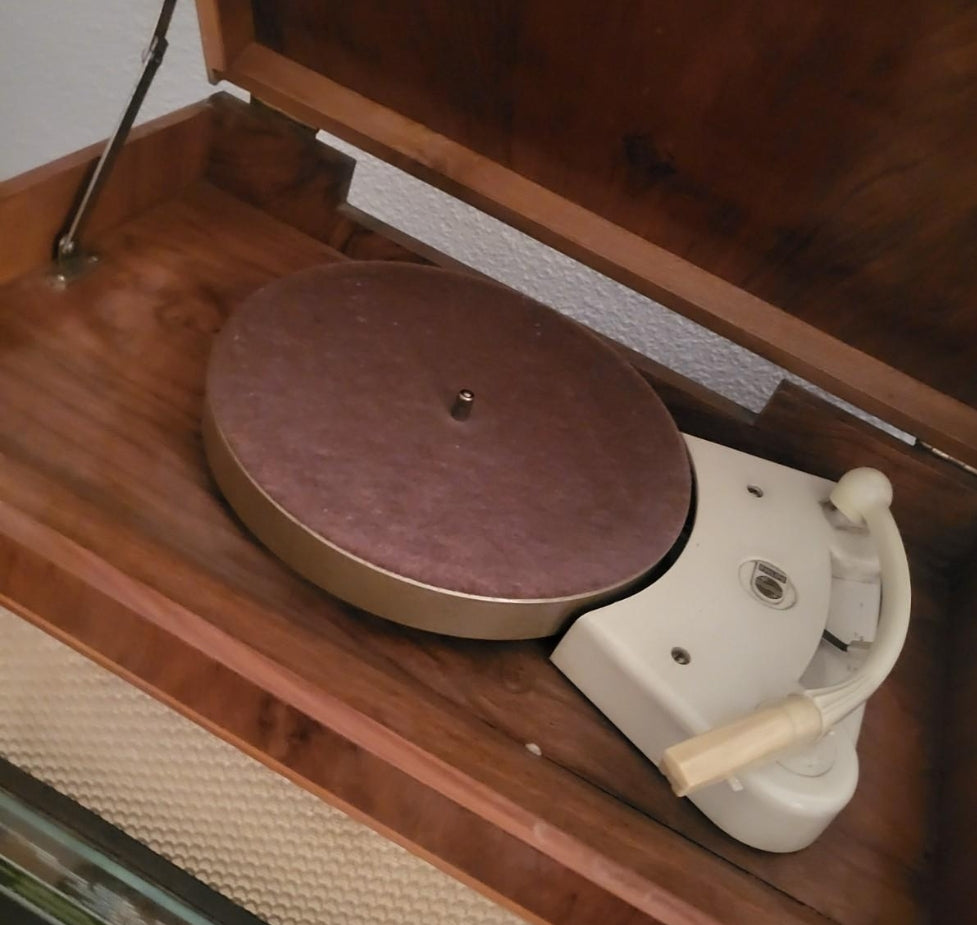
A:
(552, 482)
(430, 447)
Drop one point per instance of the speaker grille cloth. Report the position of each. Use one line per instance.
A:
(220, 815)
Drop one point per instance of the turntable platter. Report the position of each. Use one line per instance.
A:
(440, 450)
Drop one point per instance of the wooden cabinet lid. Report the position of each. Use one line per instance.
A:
(801, 179)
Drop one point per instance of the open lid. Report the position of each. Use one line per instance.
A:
(800, 178)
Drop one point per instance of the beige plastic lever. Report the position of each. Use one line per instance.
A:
(745, 742)
(862, 495)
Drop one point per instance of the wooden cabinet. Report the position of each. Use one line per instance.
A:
(801, 180)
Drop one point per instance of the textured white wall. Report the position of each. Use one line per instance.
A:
(66, 69)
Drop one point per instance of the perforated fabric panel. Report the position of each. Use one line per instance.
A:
(225, 818)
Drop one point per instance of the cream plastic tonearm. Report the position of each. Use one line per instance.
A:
(863, 496)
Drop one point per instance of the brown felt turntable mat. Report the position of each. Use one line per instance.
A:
(330, 394)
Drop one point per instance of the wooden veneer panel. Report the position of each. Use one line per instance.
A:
(957, 885)
(805, 188)
(822, 158)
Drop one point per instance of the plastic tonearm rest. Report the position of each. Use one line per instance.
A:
(863, 496)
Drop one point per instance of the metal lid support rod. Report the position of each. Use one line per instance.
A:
(70, 260)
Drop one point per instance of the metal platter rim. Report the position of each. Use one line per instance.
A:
(417, 604)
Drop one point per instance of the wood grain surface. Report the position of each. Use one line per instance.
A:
(957, 885)
(96, 467)
(226, 26)
(824, 159)
(801, 181)
(113, 537)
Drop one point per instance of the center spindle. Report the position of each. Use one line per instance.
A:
(462, 407)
